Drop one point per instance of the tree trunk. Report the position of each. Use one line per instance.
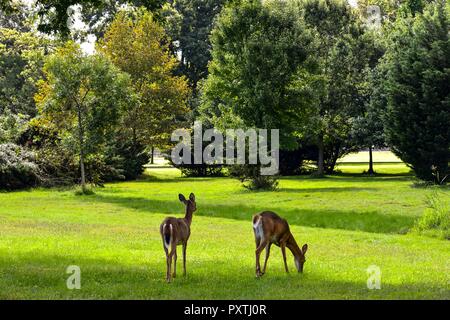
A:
(330, 168)
(83, 175)
(152, 159)
(370, 161)
(134, 139)
(320, 166)
(81, 141)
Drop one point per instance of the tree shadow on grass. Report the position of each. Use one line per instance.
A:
(320, 190)
(368, 221)
(353, 177)
(43, 276)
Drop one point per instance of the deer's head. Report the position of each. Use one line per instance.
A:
(300, 258)
(190, 204)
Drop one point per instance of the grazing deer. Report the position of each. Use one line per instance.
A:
(176, 232)
(270, 229)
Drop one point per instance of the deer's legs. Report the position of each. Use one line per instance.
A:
(168, 269)
(173, 253)
(283, 251)
(184, 258)
(267, 257)
(257, 241)
(174, 275)
(258, 251)
(167, 265)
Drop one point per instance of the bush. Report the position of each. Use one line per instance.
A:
(435, 221)
(86, 191)
(18, 168)
(58, 165)
(252, 179)
(200, 170)
(131, 158)
(101, 168)
(119, 160)
(196, 170)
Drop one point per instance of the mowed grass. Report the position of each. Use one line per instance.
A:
(378, 157)
(349, 221)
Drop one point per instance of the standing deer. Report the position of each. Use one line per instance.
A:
(176, 231)
(270, 229)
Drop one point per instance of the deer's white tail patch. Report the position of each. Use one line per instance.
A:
(258, 227)
(167, 237)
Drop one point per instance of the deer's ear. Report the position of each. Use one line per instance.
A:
(304, 248)
(192, 197)
(181, 197)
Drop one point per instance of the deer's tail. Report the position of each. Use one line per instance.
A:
(258, 227)
(167, 231)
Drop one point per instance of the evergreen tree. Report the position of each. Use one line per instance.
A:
(418, 92)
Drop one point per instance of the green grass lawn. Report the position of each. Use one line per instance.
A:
(378, 156)
(349, 222)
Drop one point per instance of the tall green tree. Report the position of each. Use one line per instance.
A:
(21, 59)
(83, 96)
(189, 24)
(138, 46)
(367, 129)
(260, 73)
(418, 92)
(338, 31)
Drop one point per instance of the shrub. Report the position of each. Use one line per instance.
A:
(196, 170)
(18, 168)
(101, 168)
(58, 166)
(252, 179)
(118, 160)
(200, 170)
(131, 158)
(435, 221)
(86, 191)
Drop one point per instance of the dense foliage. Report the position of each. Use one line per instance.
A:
(333, 78)
(418, 92)
(138, 46)
(18, 168)
(83, 96)
(259, 75)
(21, 60)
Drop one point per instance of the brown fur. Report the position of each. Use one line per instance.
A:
(272, 229)
(178, 235)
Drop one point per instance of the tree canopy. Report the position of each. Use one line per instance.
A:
(21, 59)
(138, 46)
(418, 91)
(83, 96)
(260, 71)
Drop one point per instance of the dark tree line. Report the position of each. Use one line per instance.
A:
(316, 69)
